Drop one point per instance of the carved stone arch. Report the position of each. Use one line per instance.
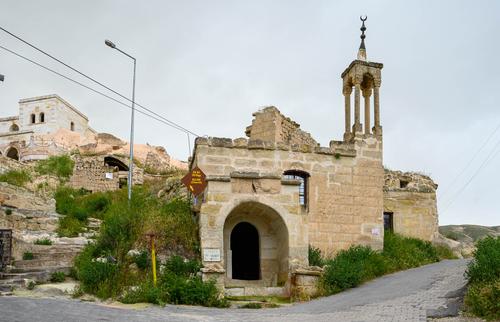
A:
(13, 153)
(14, 127)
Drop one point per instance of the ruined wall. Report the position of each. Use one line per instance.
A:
(272, 126)
(411, 198)
(90, 173)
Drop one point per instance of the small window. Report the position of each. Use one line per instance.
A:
(33, 118)
(42, 117)
(72, 126)
(388, 221)
(14, 128)
(403, 184)
(302, 176)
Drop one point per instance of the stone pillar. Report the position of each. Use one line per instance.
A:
(366, 94)
(377, 129)
(356, 128)
(347, 102)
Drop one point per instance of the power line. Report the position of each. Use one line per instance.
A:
(470, 161)
(97, 82)
(493, 153)
(86, 86)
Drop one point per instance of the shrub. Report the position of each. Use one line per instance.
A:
(57, 277)
(94, 276)
(251, 305)
(405, 252)
(43, 241)
(485, 267)
(315, 257)
(180, 267)
(59, 166)
(351, 267)
(15, 177)
(8, 211)
(142, 260)
(483, 299)
(31, 285)
(28, 255)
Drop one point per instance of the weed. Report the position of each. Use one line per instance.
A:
(252, 305)
(57, 277)
(31, 285)
(28, 255)
(8, 211)
(43, 241)
(315, 257)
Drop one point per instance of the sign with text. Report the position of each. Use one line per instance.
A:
(195, 181)
(211, 255)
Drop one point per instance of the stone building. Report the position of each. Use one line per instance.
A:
(272, 195)
(22, 136)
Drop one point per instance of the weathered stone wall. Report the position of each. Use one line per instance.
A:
(90, 173)
(272, 126)
(345, 190)
(411, 198)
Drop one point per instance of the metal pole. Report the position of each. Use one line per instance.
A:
(131, 161)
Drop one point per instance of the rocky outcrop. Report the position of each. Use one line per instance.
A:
(21, 198)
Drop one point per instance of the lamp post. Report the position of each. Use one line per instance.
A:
(131, 161)
(2, 78)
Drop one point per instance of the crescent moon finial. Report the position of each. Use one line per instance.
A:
(363, 19)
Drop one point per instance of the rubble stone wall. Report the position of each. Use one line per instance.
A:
(411, 198)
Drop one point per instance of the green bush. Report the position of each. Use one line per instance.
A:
(8, 211)
(485, 267)
(15, 177)
(351, 267)
(315, 257)
(180, 267)
(405, 252)
(28, 255)
(59, 166)
(483, 299)
(96, 277)
(43, 241)
(57, 277)
(142, 260)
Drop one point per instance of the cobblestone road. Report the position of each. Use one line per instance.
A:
(403, 296)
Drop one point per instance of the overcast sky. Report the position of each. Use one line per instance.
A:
(209, 64)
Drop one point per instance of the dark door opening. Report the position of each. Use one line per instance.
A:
(388, 221)
(245, 252)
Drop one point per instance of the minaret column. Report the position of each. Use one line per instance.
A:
(367, 92)
(347, 102)
(377, 129)
(357, 128)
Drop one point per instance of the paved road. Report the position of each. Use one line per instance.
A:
(403, 296)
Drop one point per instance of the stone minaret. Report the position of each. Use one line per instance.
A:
(366, 78)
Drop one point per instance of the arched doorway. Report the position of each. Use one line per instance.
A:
(13, 153)
(245, 252)
(256, 245)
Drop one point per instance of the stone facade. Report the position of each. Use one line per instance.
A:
(38, 117)
(410, 203)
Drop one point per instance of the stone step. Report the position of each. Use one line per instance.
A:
(255, 291)
(69, 255)
(40, 275)
(65, 269)
(42, 263)
(6, 287)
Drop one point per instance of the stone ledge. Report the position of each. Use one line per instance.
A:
(219, 178)
(291, 182)
(254, 175)
(339, 148)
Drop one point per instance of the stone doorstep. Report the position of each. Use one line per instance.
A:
(41, 263)
(255, 291)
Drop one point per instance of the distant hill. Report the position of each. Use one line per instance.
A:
(468, 233)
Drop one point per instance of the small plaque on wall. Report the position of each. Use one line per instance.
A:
(211, 255)
(109, 175)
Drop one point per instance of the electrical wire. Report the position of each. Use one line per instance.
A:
(97, 82)
(85, 86)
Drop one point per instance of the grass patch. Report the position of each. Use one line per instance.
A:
(28, 256)
(483, 295)
(251, 305)
(15, 177)
(60, 166)
(43, 241)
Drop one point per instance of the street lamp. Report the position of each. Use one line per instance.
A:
(131, 161)
(2, 78)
